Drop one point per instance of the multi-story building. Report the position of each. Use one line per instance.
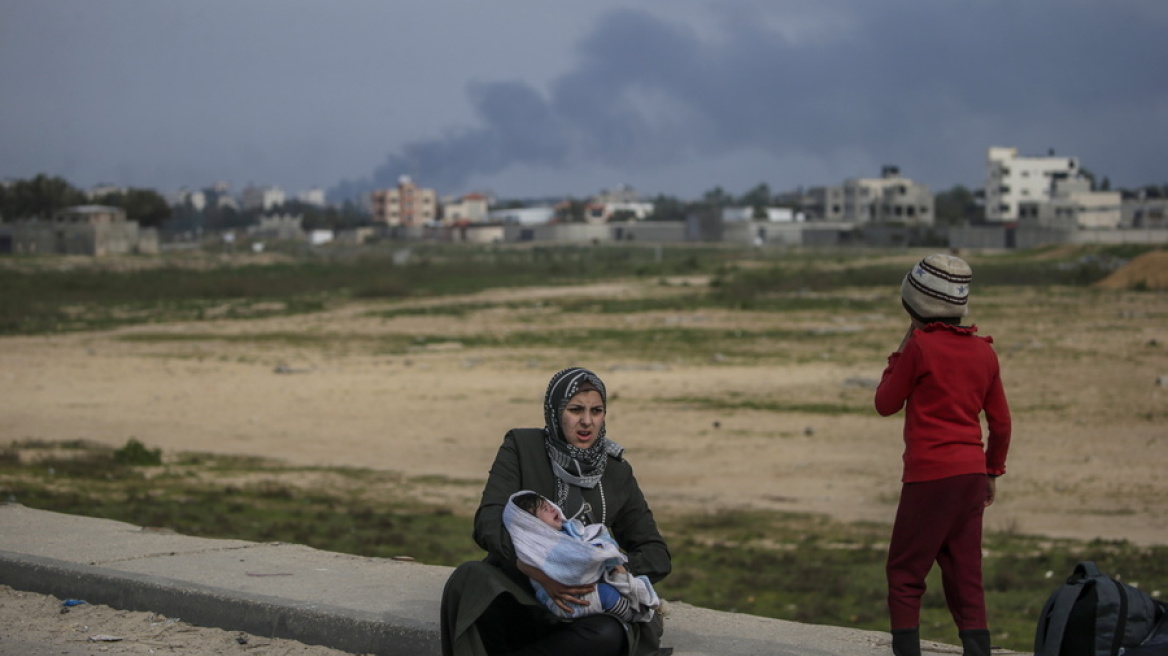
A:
(1012, 181)
(404, 205)
(1073, 205)
(819, 203)
(891, 198)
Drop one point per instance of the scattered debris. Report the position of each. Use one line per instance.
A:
(283, 368)
(101, 637)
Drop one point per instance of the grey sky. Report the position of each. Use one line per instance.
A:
(548, 97)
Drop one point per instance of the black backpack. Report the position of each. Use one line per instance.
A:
(1095, 615)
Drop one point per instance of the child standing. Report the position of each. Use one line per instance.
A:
(945, 376)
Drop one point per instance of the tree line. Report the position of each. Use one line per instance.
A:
(43, 196)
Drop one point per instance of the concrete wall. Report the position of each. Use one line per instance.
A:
(574, 232)
(649, 231)
(29, 237)
(1130, 236)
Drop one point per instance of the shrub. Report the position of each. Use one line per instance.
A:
(136, 454)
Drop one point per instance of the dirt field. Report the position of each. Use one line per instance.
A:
(1086, 372)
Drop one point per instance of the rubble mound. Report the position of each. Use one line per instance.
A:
(1148, 271)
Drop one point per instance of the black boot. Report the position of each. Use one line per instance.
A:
(906, 642)
(976, 642)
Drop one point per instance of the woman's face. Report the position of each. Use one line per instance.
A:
(583, 418)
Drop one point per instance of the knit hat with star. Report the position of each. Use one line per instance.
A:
(937, 287)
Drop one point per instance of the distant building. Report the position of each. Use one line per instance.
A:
(620, 202)
(471, 208)
(1142, 211)
(262, 198)
(79, 230)
(1088, 209)
(217, 196)
(527, 216)
(1012, 181)
(622, 194)
(822, 203)
(891, 198)
(404, 205)
(278, 227)
(314, 196)
(771, 214)
(196, 198)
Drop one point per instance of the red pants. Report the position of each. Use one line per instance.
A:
(938, 521)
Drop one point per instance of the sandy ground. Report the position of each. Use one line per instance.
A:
(1086, 373)
(34, 625)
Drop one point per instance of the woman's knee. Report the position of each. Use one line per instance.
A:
(606, 634)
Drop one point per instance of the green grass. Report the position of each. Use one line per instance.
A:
(668, 344)
(36, 298)
(799, 567)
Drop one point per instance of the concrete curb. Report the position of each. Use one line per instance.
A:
(316, 624)
(351, 603)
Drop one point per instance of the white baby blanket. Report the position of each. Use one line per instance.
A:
(582, 556)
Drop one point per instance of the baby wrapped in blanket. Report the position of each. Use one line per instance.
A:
(575, 554)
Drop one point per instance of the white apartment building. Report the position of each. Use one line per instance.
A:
(262, 198)
(1012, 180)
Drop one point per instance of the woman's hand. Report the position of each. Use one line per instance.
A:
(565, 596)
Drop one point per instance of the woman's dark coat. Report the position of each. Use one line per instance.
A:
(522, 464)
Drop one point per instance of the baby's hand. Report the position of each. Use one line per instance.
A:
(620, 569)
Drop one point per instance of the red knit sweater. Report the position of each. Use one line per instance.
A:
(947, 376)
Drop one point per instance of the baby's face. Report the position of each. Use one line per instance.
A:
(549, 515)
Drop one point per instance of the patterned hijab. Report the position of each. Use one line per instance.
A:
(572, 465)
